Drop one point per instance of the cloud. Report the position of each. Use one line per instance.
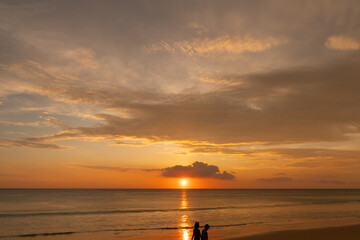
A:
(280, 174)
(275, 179)
(27, 143)
(197, 169)
(315, 158)
(220, 45)
(198, 28)
(132, 142)
(271, 155)
(221, 81)
(342, 43)
(161, 46)
(121, 169)
(330, 181)
(285, 106)
(301, 105)
(83, 56)
(45, 121)
(227, 44)
(32, 124)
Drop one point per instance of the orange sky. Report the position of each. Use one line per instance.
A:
(138, 94)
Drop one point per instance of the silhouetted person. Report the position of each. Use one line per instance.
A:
(196, 232)
(204, 235)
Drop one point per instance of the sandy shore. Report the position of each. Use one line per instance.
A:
(331, 233)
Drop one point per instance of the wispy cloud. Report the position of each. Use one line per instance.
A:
(46, 120)
(32, 124)
(225, 44)
(84, 56)
(27, 143)
(344, 43)
(275, 179)
(330, 182)
(108, 168)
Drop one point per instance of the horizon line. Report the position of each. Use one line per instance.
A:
(178, 188)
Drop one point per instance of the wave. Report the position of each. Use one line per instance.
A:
(110, 212)
(31, 214)
(118, 230)
(41, 234)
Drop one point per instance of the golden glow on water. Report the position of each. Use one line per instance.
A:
(185, 234)
(184, 219)
(184, 201)
(184, 223)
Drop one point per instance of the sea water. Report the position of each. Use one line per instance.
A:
(168, 214)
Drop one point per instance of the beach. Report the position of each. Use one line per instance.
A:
(347, 232)
(351, 232)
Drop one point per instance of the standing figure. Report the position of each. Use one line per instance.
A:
(204, 232)
(196, 232)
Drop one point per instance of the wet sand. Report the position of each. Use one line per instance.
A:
(332, 233)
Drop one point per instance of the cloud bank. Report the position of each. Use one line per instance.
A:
(301, 105)
(195, 170)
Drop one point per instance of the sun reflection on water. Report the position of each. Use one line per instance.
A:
(185, 234)
(184, 224)
(184, 201)
(184, 219)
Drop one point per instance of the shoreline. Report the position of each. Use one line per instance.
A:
(347, 232)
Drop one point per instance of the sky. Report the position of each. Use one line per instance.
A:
(142, 94)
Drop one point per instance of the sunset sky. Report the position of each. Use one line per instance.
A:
(141, 94)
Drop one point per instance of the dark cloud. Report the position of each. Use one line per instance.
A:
(330, 181)
(197, 169)
(275, 179)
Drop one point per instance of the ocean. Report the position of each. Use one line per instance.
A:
(168, 214)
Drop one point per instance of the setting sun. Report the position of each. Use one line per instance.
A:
(183, 182)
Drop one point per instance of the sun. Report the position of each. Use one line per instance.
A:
(183, 182)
